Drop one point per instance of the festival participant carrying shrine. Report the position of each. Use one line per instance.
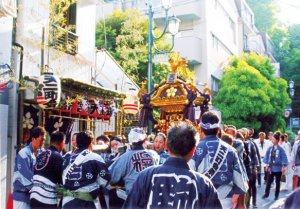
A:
(131, 163)
(47, 174)
(218, 161)
(83, 174)
(174, 184)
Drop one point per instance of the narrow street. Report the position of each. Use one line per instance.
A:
(269, 202)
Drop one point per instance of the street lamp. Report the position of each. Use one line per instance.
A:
(292, 91)
(173, 24)
(291, 84)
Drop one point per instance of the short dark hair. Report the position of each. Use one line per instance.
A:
(251, 129)
(139, 143)
(76, 133)
(212, 118)
(57, 137)
(37, 132)
(115, 138)
(230, 127)
(282, 138)
(84, 139)
(182, 137)
(103, 138)
(239, 136)
(277, 136)
(228, 139)
(262, 133)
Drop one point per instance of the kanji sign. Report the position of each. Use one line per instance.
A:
(49, 91)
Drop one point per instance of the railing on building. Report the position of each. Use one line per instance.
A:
(64, 40)
(253, 46)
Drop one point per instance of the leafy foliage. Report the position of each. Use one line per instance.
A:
(286, 41)
(126, 39)
(250, 95)
(265, 14)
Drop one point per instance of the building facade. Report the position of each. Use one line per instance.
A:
(31, 43)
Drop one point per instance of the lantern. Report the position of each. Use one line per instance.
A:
(131, 102)
(49, 91)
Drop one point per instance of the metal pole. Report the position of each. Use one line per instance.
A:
(42, 50)
(40, 122)
(150, 65)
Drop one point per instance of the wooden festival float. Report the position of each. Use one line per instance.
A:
(176, 97)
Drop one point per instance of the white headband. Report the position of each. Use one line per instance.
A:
(231, 128)
(209, 125)
(136, 135)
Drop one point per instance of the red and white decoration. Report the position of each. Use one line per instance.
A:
(131, 103)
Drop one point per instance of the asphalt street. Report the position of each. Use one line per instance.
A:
(270, 202)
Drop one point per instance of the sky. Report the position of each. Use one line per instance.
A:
(289, 12)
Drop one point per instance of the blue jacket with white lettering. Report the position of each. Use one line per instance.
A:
(172, 185)
(47, 174)
(230, 178)
(23, 173)
(280, 159)
(130, 164)
(87, 177)
(163, 156)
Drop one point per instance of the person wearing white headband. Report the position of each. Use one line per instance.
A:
(218, 161)
(131, 163)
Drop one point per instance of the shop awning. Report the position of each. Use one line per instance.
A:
(69, 84)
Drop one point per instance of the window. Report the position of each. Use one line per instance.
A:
(247, 14)
(231, 24)
(232, 27)
(71, 17)
(63, 31)
(214, 41)
(215, 84)
(245, 40)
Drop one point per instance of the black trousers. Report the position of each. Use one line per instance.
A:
(252, 191)
(259, 177)
(271, 176)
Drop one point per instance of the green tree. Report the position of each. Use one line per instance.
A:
(112, 29)
(265, 14)
(294, 31)
(250, 95)
(127, 37)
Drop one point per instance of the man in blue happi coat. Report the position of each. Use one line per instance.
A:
(173, 184)
(83, 174)
(24, 168)
(218, 161)
(130, 164)
(47, 174)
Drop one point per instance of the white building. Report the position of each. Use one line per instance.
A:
(8, 12)
(69, 55)
(210, 32)
(251, 39)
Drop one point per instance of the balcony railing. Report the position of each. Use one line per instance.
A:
(64, 40)
(252, 45)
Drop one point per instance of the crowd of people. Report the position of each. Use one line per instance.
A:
(191, 167)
